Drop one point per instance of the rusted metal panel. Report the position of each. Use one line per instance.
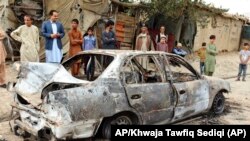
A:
(193, 98)
(151, 98)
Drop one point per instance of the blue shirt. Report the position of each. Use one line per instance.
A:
(179, 51)
(89, 42)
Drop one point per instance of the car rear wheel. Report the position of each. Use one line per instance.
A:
(218, 104)
(118, 120)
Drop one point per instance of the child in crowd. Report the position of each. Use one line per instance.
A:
(202, 56)
(162, 45)
(244, 58)
(211, 52)
(89, 43)
(75, 39)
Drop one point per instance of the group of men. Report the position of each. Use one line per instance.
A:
(53, 32)
(28, 35)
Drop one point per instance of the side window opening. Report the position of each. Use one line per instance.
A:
(179, 72)
(142, 69)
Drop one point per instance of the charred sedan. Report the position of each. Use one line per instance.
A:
(115, 87)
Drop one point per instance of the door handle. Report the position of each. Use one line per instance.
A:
(182, 92)
(136, 96)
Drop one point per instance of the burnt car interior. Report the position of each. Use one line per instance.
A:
(55, 87)
(91, 65)
(180, 70)
(142, 69)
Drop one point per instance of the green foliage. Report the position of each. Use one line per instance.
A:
(176, 8)
(196, 10)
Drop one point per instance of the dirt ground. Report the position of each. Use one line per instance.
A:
(237, 102)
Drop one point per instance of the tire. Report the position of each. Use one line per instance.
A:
(118, 120)
(218, 104)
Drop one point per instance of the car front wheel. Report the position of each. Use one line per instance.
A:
(218, 104)
(119, 120)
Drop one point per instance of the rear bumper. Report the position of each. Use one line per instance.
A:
(35, 123)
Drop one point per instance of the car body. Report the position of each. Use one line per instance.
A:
(135, 87)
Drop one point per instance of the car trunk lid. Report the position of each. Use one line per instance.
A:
(33, 77)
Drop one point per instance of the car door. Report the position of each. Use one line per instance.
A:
(152, 99)
(192, 90)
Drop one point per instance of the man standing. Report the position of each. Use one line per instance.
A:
(28, 35)
(108, 41)
(53, 32)
(179, 51)
(211, 52)
(108, 36)
(144, 43)
(162, 33)
(143, 40)
(3, 55)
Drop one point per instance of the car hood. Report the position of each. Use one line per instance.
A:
(33, 77)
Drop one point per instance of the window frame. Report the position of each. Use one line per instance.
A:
(182, 62)
(158, 63)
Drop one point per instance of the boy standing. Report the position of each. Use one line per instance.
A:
(244, 58)
(75, 39)
(89, 43)
(162, 45)
(202, 56)
(211, 53)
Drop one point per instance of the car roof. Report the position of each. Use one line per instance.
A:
(120, 52)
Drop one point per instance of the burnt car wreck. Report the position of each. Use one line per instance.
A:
(121, 88)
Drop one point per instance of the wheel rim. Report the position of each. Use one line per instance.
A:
(122, 120)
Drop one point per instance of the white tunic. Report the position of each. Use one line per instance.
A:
(29, 37)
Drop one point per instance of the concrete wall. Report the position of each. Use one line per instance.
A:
(227, 31)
